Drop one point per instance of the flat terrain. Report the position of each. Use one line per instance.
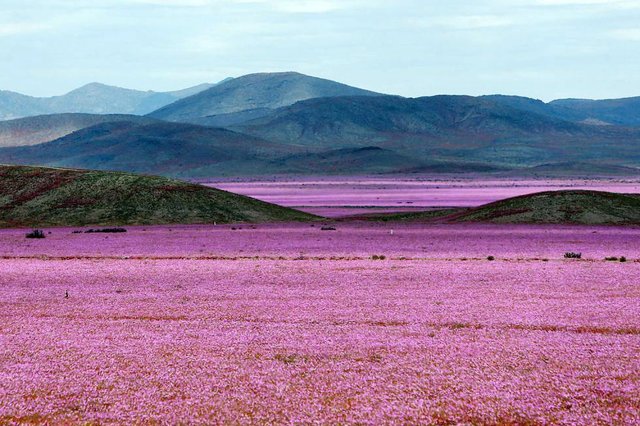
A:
(346, 196)
(289, 323)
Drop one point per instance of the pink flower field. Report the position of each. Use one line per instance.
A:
(340, 196)
(290, 324)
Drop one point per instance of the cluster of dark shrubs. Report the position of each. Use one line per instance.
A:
(36, 233)
(572, 255)
(616, 259)
(378, 257)
(491, 258)
(327, 228)
(106, 230)
(102, 230)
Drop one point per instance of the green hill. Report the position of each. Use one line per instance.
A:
(37, 196)
(562, 207)
(571, 207)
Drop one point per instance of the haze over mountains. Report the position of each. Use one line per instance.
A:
(45, 128)
(623, 112)
(292, 123)
(93, 98)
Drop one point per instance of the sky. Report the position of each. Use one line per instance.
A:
(545, 49)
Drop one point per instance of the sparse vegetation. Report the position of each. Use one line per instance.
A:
(572, 255)
(559, 207)
(44, 197)
(36, 233)
(105, 230)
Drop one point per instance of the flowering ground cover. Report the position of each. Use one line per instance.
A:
(291, 324)
(344, 196)
(361, 239)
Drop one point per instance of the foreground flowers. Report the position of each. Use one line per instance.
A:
(179, 335)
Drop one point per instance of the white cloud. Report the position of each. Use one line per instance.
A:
(627, 34)
(573, 2)
(317, 6)
(205, 44)
(177, 3)
(304, 6)
(619, 4)
(465, 22)
(285, 6)
(18, 28)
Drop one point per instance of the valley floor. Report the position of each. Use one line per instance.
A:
(288, 323)
(353, 195)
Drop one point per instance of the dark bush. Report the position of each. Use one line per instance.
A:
(611, 259)
(490, 258)
(327, 228)
(378, 257)
(572, 255)
(623, 259)
(36, 233)
(105, 230)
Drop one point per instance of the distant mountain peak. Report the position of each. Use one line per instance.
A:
(251, 92)
(92, 98)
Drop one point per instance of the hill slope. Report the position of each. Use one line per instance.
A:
(93, 98)
(31, 196)
(624, 111)
(446, 129)
(352, 134)
(359, 119)
(170, 149)
(568, 207)
(45, 128)
(562, 207)
(621, 112)
(257, 93)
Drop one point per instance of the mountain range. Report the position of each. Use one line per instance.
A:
(252, 96)
(291, 123)
(93, 98)
(45, 128)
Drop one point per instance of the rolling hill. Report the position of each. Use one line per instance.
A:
(252, 96)
(624, 112)
(186, 150)
(37, 197)
(569, 207)
(357, 120)
(93, 98)
(278, 123)
(574, 170)
(620, 112)
(45, 128)
(170, 149)
(450, 129)
(344, 161)
(351, 134)
(563, 207)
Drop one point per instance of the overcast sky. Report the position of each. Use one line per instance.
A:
(539, 48)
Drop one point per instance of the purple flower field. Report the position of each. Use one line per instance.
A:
(335, 197)
(290, 324)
